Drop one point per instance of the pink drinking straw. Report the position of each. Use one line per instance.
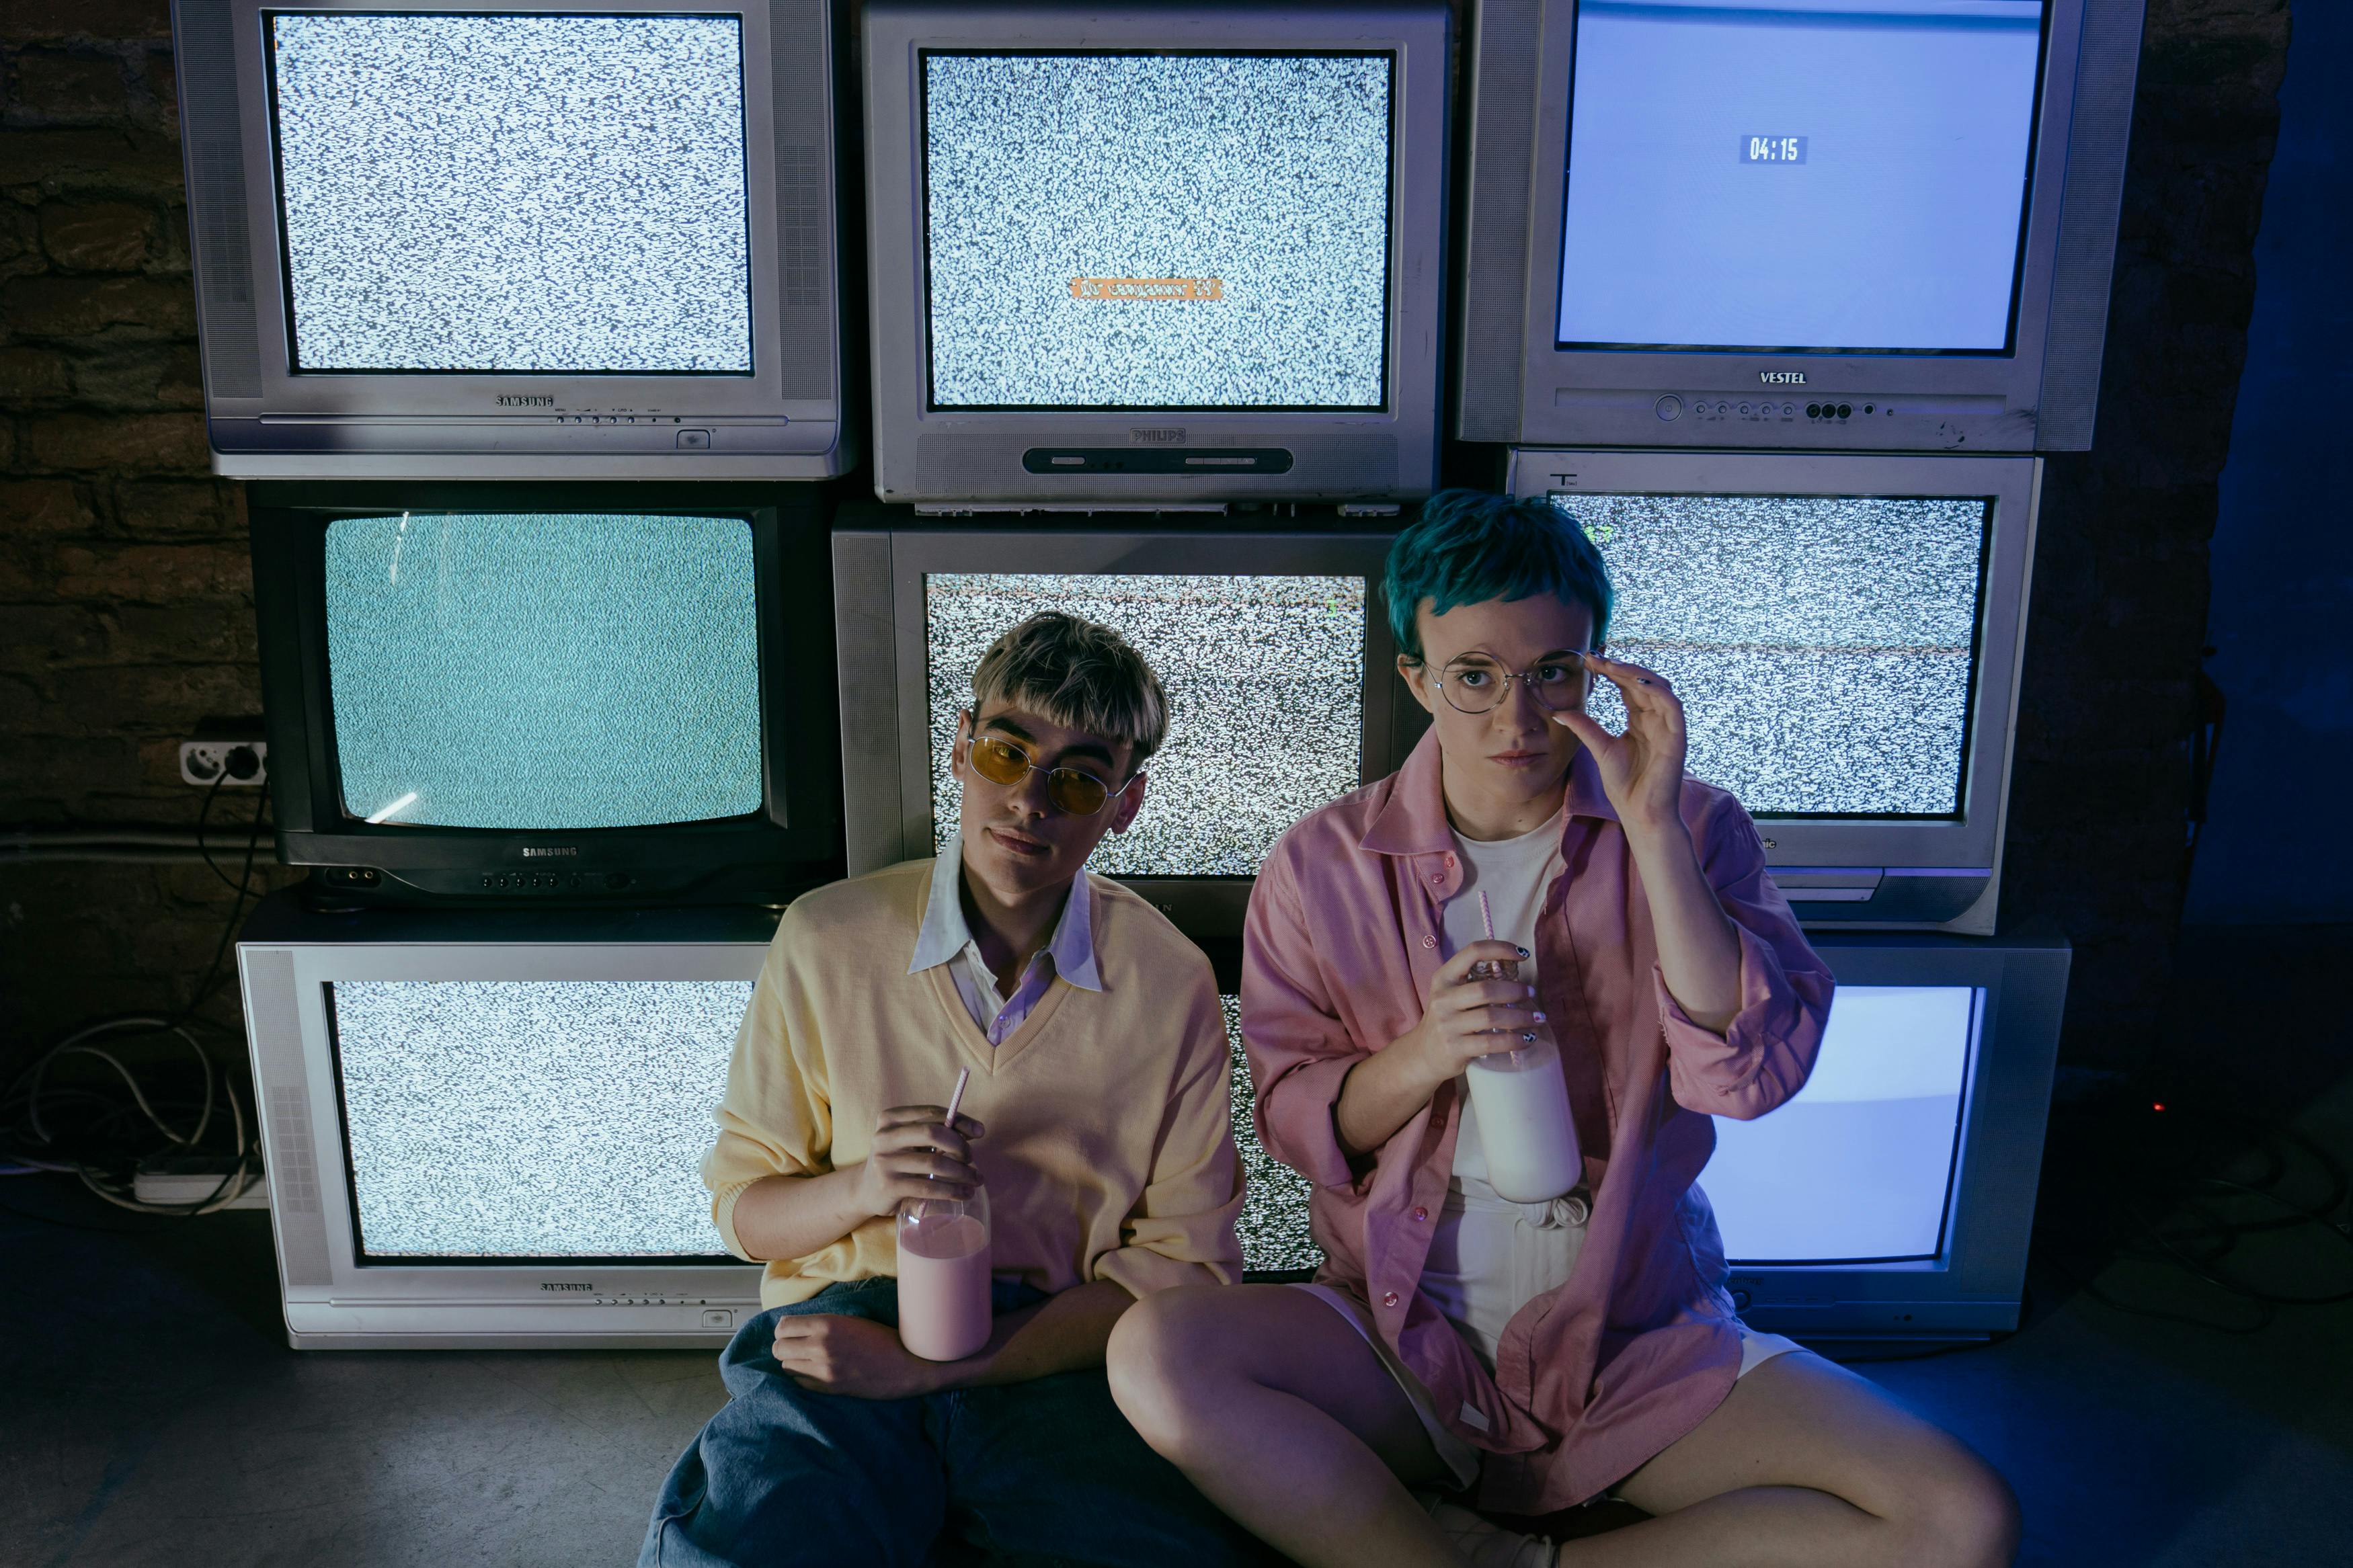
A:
(964, 1076)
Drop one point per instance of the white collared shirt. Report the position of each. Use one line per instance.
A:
(947, 939)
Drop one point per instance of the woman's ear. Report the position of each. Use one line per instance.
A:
(1415, 675)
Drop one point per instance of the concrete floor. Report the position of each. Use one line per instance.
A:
(150, 1413)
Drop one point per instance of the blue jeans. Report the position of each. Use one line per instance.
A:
(1042, 1471)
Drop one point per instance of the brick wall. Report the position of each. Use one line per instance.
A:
(125, 589)
(125, 585)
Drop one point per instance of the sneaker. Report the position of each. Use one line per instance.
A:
(1485, 1545)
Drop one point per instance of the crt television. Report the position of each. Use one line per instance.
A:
(592, 239)
(1844, 632)
(1892, 1197)
(548, 692)
(486, 1132)
(1273, 648)
(1155, 254)
(1826, 224)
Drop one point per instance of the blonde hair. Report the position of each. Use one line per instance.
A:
(1078, 674)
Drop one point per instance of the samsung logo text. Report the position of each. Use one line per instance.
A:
(508, 400)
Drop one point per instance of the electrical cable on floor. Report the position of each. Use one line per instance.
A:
(2176, 1198)
(36, 1148)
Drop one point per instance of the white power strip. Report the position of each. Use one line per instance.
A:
(173, 1187)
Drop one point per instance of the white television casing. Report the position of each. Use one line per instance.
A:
(336, 1299)
(1095, 459)
(1514, 382)
(785, 420)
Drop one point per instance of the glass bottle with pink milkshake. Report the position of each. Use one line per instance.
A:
(944, 1298)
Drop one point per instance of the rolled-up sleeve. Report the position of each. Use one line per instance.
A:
(775, 1120)
(1299, 1052)
(1763, 1056)
(1181, 1231)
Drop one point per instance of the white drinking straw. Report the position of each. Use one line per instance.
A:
(964, 1076)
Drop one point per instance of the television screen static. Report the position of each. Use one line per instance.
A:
(1824, 647)
(543, 671)
(486, 194)
(1109, 230)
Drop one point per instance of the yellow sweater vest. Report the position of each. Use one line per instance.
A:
(1109, 1153)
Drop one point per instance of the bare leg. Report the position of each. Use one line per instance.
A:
(1282, 1415)
(1808, 1465)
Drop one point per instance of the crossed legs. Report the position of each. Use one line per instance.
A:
(1282, 1415)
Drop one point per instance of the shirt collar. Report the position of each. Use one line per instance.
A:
(1413, 820)
(947, 933)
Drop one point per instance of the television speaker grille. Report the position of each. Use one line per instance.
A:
(2097, 142)
(207, 47)
(1494, 284)
(801, 106)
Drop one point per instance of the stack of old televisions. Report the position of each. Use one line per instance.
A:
(573, 670)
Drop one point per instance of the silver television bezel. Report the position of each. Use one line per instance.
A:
(391, 425)
(1975, 1285)
(882, 649)
(1899, 867)
(989, 444)
(332, 1300)
(2023, 400)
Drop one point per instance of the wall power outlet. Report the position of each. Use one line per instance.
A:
(204, 761)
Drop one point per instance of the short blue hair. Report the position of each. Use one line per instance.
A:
(1470, 546)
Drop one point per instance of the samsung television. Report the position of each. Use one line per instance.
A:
(1824, 225)
(486, 1132)
(548, 692)
(1155, 255)
(1844, 632)
(587, 239)
(1273, 648)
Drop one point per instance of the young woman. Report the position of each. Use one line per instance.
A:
(1550, 1353)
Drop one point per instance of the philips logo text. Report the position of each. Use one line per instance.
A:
(1164, 436)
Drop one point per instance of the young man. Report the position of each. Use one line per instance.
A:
(1098, 1126)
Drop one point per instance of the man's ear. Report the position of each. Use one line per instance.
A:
(955, 748)
(1415, 675)
(1131, 801)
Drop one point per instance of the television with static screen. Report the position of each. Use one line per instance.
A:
(1273, 650)
(1821, 225)
(586, 238)
(1844, 634)
(1155, 255)
(549, 692)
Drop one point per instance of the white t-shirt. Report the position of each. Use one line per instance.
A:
(1514, 874)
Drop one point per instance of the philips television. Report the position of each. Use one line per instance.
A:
(587, 239)
(486, 1132)
(1825, 225)
(1273, 650)
(1844, 632)
(1154, 256)
(548, 692)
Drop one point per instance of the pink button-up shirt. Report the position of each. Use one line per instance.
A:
(1593, 1379)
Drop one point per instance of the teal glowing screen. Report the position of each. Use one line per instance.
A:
(543, 671)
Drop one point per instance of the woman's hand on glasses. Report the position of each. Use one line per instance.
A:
(1642, 770)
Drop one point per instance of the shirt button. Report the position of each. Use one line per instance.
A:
(1388, 1298)
(1421, 1214)
(1430, 942)
(1437, 877)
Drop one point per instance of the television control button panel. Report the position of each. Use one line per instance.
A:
(556, 881)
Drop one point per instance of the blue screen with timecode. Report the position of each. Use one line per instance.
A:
(1874, 194)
